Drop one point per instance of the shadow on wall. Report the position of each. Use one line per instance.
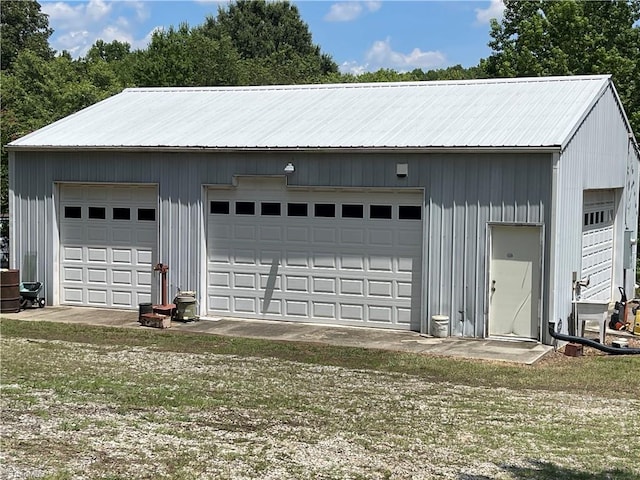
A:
(540, 470)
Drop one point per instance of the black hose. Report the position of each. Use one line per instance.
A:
(592, 343)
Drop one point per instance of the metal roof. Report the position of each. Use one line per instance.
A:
(517, 113)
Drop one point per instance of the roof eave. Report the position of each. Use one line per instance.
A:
(362, 149)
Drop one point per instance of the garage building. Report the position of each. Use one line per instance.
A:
(379, 205)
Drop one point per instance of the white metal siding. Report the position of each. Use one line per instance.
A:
(599, 156)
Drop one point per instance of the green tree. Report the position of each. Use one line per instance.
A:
(569, 37)
(272, 41)
(23, 27)
(186, 57)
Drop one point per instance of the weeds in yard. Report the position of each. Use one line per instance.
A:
(156, 405)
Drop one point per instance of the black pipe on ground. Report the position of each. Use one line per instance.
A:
(591, 343)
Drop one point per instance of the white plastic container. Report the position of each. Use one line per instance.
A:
(440, 326)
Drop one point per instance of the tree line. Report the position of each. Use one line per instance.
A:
(255, 42)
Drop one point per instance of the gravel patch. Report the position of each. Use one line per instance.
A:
(89, 412)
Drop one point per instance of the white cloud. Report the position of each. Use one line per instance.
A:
(77, 26)
(347, 11)
(75, 42)
(494, 10)
(353, 67)
(381, 55)
(97, 10)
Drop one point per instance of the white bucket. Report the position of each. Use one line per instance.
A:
(440, 326)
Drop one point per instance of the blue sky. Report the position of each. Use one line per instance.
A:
(359, 35)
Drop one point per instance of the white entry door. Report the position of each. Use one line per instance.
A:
(108, 244)
(339, 256)
(514, 281)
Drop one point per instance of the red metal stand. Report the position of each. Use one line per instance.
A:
(166, 308)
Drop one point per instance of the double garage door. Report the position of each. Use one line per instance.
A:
(336, 256)
(597, 244)
(108, 244)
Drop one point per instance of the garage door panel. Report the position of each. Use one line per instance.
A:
(219, 256)
(244, 305)
(404, 289)
(244, 232)
(220, 303)
(273, 307)
(351, 287)
(121, 298)
(352, 262)
(271, 234)
(97, 297)
(71, 274)
(72, 254)
(296, 283)
(324, 260)
(72, 295)
(122, 235)
(270, 282)
(403, 315)
(144, 257)
(324, 285)
(405, 264)
(245, 257)
(244, 280)
(352, 236)
(105, 261)
(324, 235)
(333, 269)
(97, 254)
(122, 277)
(219, 279)
(381, 237)
(121, 256)
(295, 308)
(97, 275)
(143, 279)
(352, 312)
(297, 259)
(297, 234)
(324, 310)
(145, 236)
(378, 313)
(380, 288)
(96, 234)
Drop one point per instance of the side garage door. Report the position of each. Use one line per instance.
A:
(329, 256)
(108, 243)
(597, 243)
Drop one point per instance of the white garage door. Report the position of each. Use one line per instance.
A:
(597, 244)
(108, 245)
(329, 256)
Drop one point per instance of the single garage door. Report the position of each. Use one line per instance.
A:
(108, 244)
(339, 256)
(597, 244)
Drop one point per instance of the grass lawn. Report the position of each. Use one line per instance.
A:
(109, 403)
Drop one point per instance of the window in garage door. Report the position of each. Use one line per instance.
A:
(337, 256)
(108, 244)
